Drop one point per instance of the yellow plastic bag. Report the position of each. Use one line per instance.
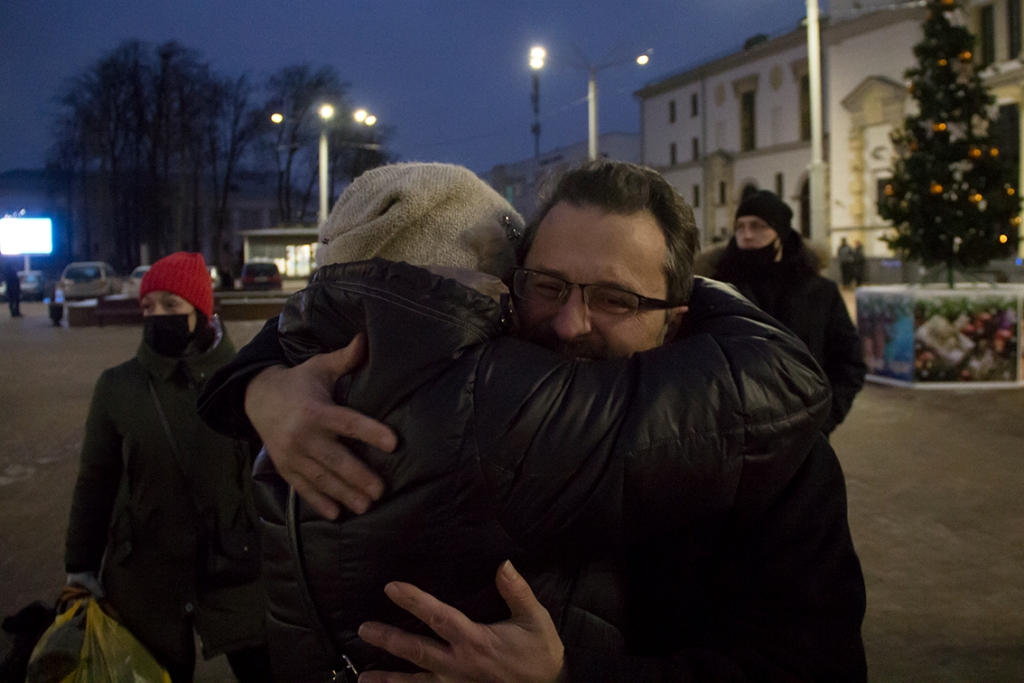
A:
(109, 653)
(56, 655)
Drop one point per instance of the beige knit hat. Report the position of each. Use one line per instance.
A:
(426, 214)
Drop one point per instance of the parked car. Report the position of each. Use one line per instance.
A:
(88, 280)
(261, 275)
(134, 281)
(32, 285)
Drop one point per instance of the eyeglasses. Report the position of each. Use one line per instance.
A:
(544, 288)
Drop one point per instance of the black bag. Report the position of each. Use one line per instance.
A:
(25, 629)
(229, 558)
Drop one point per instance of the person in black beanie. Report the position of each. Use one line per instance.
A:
(768, 262)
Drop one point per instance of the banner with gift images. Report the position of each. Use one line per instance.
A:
(938, 336)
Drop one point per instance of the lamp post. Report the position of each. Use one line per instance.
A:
(592, 100)
(537, 56)
(326, 113)
(817, 169)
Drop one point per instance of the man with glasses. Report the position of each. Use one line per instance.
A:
(741, 594)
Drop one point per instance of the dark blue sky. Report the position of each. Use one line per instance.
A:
(450, 77)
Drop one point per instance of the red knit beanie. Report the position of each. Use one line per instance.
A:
(182, 273)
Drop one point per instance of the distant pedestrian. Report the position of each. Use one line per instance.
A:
(13, 289)
(768, 262)
(162, 499)
(846, 264)
(859, 264)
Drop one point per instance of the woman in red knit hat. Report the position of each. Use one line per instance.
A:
(162, 523)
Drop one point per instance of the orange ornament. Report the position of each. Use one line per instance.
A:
(936, 188)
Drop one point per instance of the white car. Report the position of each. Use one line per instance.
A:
(88, 280)
(134, 281)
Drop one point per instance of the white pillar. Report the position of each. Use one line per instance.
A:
(322, 216)
(817, 169)
(592, 115)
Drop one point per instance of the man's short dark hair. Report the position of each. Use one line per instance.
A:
(623, 188)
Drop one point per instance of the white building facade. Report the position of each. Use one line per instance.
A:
(743, 121)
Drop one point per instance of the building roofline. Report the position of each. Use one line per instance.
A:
(832, 31)
(779, 43)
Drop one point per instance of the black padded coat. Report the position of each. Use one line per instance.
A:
(511, 451)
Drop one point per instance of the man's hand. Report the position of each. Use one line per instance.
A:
(294, 412)
(524, 649)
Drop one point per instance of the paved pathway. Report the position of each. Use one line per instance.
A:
(935, 481)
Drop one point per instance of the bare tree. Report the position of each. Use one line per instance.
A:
(151, 142)
(296, 93)
(232, 126)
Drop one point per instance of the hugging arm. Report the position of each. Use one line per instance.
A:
(292, 411)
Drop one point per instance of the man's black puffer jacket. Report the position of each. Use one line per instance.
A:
(511, 451)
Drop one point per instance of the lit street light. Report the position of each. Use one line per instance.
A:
(364, 117)
(326, 113)
(592, 100)
(537, 56)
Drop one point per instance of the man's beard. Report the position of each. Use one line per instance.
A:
(587, 348)
(591, 347)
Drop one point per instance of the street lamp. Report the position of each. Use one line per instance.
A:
(364, 117)
(326, 112)
(642, 60)
(816, 171)
(537, 56)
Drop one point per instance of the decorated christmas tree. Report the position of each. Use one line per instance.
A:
(952, 198)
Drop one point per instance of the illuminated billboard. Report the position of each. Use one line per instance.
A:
(20, 235)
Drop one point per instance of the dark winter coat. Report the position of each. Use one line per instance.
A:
(810, 306)
(135, 512)
(511, 451)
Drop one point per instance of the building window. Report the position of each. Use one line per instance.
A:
(696, 196)
(693, 105)
(880, 185)
(805, 107)
(1013, 26)
(695, 144)
(671, 111)
(987, 36)
(672, 154)
(780, 187)
(1004, 133)
(721, 193)
(748, 136)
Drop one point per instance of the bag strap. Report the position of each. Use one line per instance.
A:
(349, 673)
(186, 469)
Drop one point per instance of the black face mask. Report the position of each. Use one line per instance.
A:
(757, 259)
(168, 335)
